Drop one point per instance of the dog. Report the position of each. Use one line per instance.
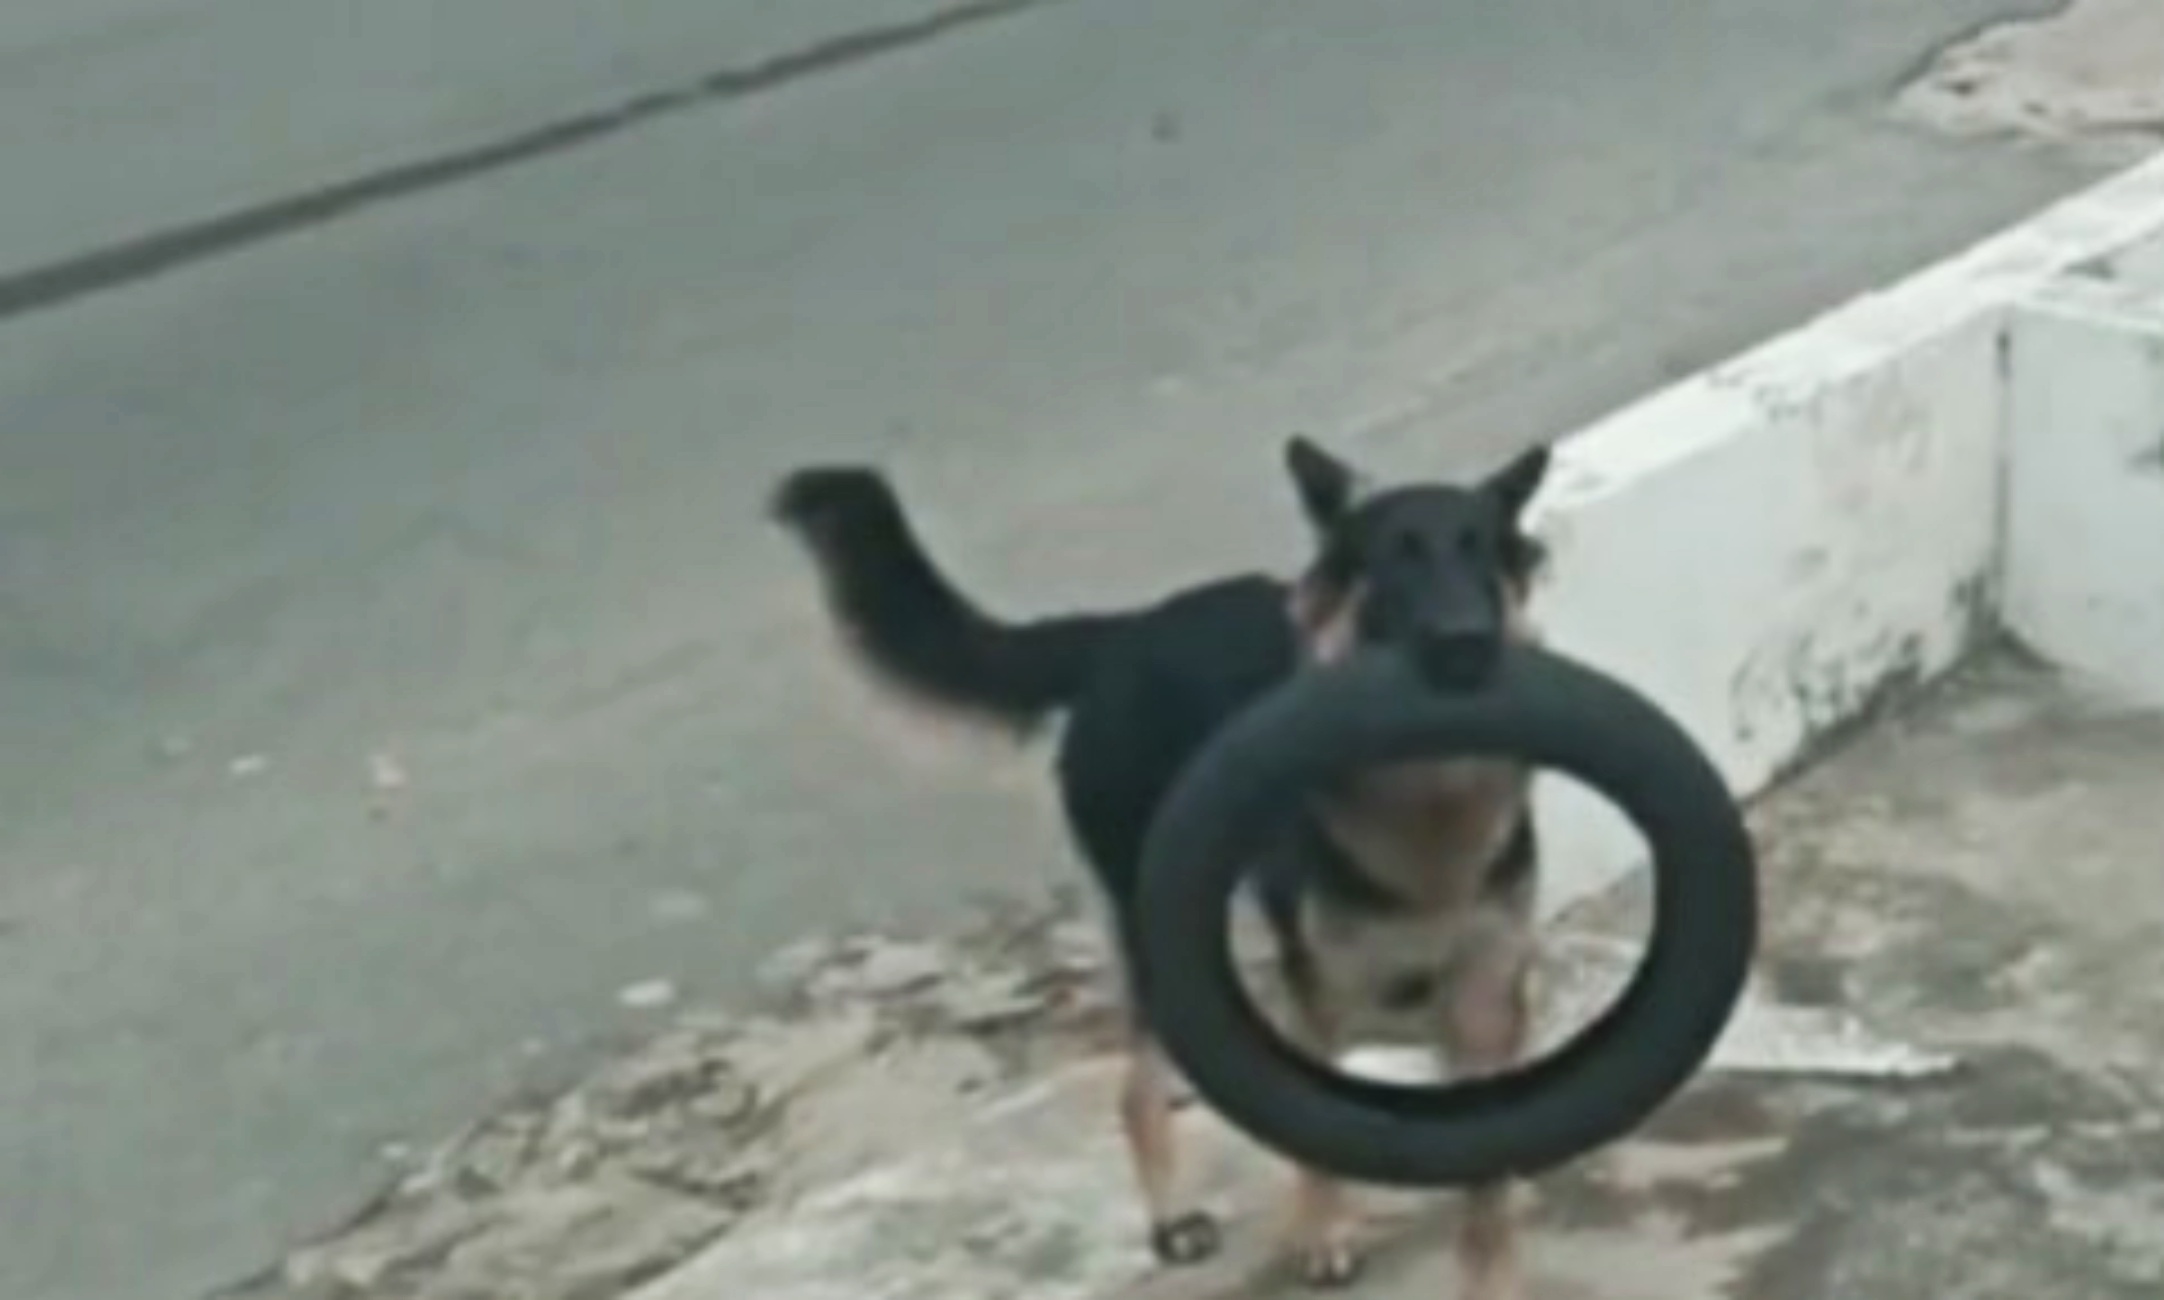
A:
(1403, 897)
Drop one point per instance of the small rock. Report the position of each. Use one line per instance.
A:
(891, 968)
(793, 967)
(647, 995)
(575, 1158)
(986, 1001)
(1076, 948)
(364, 1263)
(672, 1071)
(730, 1101)
(567, 1122)
(707, 1164)
(497, 1153)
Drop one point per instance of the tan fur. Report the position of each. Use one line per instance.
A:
(1428, 831)
(1322, 1230)
(1178, 1235)
(1146, 1118)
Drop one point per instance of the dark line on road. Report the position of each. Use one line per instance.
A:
(56, 283)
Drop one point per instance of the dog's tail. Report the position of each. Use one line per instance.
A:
(910, 624)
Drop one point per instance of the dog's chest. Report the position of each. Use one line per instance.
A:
(1427, 832)
(1392, 976)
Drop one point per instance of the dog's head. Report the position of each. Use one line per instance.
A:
(1440, 571)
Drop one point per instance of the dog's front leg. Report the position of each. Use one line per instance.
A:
(1322, 1233)
(1487, 1021)
(1178, 1235)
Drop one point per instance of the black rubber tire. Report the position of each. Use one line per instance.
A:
(1596, 1087)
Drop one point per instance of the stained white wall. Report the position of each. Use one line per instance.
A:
(1798, 551)
(1768, 547)
(2084, 582)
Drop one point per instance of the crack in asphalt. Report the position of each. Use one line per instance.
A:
(113, 266)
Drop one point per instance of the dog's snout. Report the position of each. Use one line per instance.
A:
(1456, 656)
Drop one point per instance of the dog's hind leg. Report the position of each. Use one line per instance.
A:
(1179, 1234)
(1487, 1022)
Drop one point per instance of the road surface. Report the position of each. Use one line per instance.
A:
(393, 663)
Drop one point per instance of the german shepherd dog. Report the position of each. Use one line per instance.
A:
(1401, 899)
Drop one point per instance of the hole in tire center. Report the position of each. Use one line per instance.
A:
(1591, 917)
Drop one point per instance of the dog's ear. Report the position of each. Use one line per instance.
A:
(1326, 485)
(1514, 485)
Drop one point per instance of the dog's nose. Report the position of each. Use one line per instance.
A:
(1456, 658)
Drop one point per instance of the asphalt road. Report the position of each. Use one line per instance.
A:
(393, 664)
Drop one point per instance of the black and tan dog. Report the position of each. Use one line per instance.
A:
(1400, 900)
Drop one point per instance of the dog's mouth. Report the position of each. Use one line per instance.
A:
(1457, 657)
(1456, 646)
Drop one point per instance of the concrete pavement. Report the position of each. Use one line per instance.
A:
(395, 668)
(1942, 1085)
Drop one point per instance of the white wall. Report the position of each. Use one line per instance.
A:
(1794, 554)
(1769, 547)
(2084, 578)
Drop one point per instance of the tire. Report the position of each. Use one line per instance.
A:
(1598, 1086)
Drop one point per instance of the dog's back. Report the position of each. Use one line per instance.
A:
(1188, 665)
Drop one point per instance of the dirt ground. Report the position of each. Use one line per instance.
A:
(862, 1046)
(1942, 1085)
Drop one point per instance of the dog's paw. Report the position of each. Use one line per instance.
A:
(1187, 1239)
(1330, 1263)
